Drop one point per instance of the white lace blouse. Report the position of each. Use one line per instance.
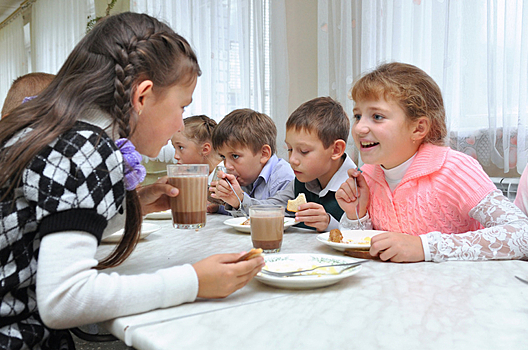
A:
(504, 236)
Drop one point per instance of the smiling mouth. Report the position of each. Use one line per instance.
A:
(369, 144)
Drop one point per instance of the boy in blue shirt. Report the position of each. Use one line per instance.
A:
(246, 141)
(316, 136)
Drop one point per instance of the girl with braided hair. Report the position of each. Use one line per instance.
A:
(194, 144)
(70, 167)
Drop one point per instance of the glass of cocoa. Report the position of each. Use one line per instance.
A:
(189, 207)
(267, 227)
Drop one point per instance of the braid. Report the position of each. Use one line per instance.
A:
(124, 76)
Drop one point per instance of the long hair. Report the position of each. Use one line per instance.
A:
(103, 70)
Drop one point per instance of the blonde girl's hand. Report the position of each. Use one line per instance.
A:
(224, 191)
(313, 215)
(397, 247)
(348, 198)
(156, 197)
(218, 276)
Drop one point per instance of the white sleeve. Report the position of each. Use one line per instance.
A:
(504, 236)
(347, 224)
(71, 293)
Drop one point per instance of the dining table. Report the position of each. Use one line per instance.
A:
(385, 305)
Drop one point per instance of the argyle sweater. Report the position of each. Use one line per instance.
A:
(75, 183)
(436, 194)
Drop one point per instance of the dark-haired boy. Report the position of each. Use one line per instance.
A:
(316, 136)
(246, 141)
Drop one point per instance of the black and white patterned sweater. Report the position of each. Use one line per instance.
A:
(74, 184)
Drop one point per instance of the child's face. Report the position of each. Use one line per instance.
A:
(161, 116)
(308, 157)
(382, 133)
(187, 151)
(241, 162)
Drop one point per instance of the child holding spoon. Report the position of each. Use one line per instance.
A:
(435, 203)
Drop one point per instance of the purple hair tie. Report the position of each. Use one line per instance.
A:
(134, 172)
(29, 98)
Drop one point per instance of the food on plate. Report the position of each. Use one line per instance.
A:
(253, 253)
(335, 236)
(246, 223)
(293, 205)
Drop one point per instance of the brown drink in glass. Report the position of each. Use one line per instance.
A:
(189, 208)
(267, 227)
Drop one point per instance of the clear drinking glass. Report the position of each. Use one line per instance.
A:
(189, 208)
(215, 178)
(267, 227)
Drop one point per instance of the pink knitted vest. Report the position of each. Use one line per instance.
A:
(436, 194)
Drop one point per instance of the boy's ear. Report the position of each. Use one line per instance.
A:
(265, 154)
(141, 94)
(339, 148)
(206, 149)
(421, 129)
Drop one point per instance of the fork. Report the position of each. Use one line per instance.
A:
(293, 273)
(521, 279)
(357, 209)
(239, 201)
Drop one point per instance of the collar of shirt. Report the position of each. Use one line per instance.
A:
(264, 174)
(335, 182)
(97, 117)
(395, 175)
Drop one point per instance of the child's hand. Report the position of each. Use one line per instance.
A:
(314, 215)
(218, 276)
(156, 197)
(397, 247)
(348, 199)
(224, 191)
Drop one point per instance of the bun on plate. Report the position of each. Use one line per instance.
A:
(293, 205)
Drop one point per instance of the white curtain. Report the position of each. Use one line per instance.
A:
(56, 27)
(477, 52)
(241, 49)
(13, 61)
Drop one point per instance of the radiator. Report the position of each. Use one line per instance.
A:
(508, 185)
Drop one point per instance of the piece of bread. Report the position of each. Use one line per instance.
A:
(293, 205)
(335, 236)
(253, 253)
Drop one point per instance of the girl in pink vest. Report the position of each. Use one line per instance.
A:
(435, 203)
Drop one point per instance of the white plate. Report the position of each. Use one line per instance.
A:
(314, 279)
(159, 215)
(236, 223)
(146, 229)
(352, 239)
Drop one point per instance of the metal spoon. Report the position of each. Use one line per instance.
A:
(294, 273)
(239, 201)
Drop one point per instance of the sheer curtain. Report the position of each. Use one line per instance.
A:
(475, 50)
(241, 48)
(13, 61)
(56, 27)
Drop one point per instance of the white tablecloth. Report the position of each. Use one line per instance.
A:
(450, 305)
